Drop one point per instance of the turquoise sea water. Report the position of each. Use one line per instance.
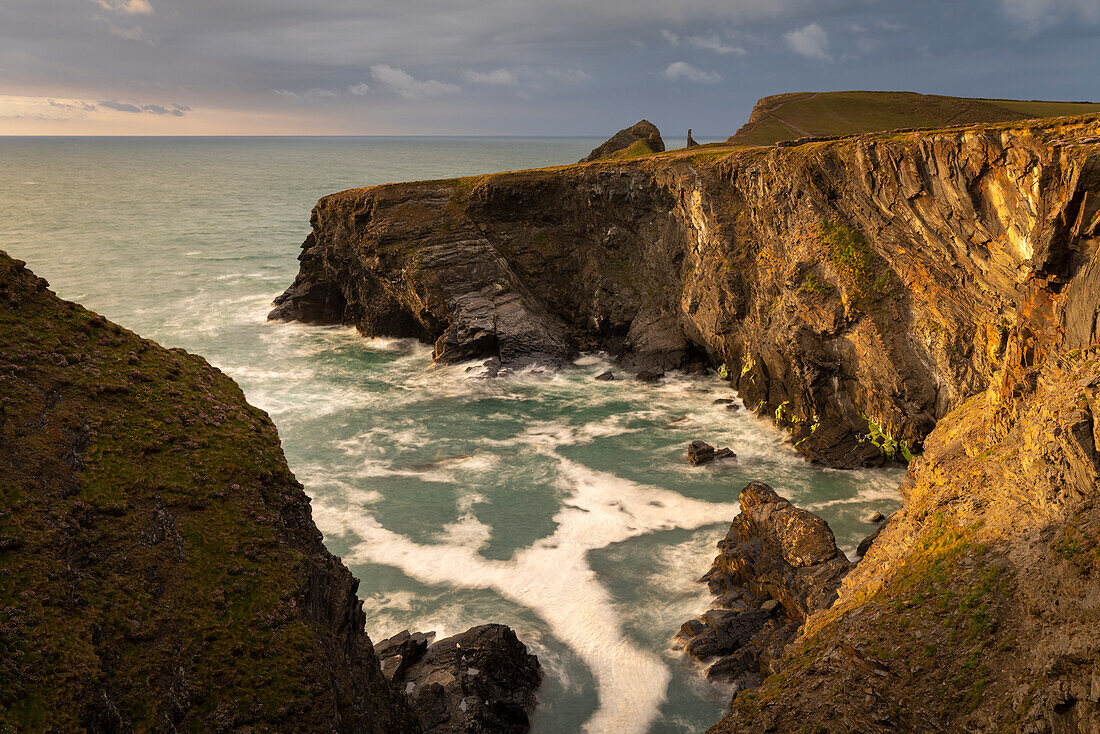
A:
(559, 505)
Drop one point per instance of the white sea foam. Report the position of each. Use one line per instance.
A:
(552, 577)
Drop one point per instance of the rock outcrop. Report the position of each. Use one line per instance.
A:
(777, 565)
(482, 681)
(975, 607)
(641, 138)
(159, 568)
(856, 290)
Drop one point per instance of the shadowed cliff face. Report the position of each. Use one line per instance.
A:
(159, 567)
(855, 289)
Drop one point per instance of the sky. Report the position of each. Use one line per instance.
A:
(510, 67)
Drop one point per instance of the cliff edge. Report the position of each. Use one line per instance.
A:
(159, 568)
(855, 290)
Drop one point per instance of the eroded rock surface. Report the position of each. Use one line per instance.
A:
(482, 681)
(777, 565)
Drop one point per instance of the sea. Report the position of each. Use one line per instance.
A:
(543, 499)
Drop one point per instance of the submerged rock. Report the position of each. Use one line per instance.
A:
(606, 376)
(648, 376)
(700, 452)
(641, 138)
(776, 565)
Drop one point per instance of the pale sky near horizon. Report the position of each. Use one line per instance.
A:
(487, 67)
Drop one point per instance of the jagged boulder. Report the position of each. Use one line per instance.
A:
(641, 138)
(478, 682)
(776, 565)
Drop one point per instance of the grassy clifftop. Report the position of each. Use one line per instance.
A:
(805, 114)
(159, 568)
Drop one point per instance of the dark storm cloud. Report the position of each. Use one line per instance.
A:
(555, 66)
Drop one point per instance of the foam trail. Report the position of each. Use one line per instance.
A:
(552, 577)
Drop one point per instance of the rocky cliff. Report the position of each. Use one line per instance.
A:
(925, 296)
(854, 289)
(159, 567)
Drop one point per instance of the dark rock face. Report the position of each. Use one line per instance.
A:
(777, 565)
(990, 566)
(856, 290)
(482, 681)
(644, 132)
(397, 653)
(160, 569)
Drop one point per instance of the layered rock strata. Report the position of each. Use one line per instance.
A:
(975, 608)
(856, 290)
(777, 565)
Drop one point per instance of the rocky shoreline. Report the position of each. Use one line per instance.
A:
(854, 290)
(930, 297)
(927, 297)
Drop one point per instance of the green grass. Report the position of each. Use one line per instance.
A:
(637, 149)
(856, 264)
(800, 114)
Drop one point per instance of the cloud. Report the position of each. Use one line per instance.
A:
(128, 7)
(499, 77)
(358, 90)
(131, 34)
(176, 110)
(810, 41)
(77, 105)
(315, 93)
(683, 71)
(705, 43)
(572, 76)
(1033, 16)
(407, 86)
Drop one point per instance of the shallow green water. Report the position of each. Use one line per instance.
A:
(546, 500)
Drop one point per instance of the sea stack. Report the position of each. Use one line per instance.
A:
(641, 138)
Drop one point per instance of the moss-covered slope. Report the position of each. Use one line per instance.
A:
(159, 568)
